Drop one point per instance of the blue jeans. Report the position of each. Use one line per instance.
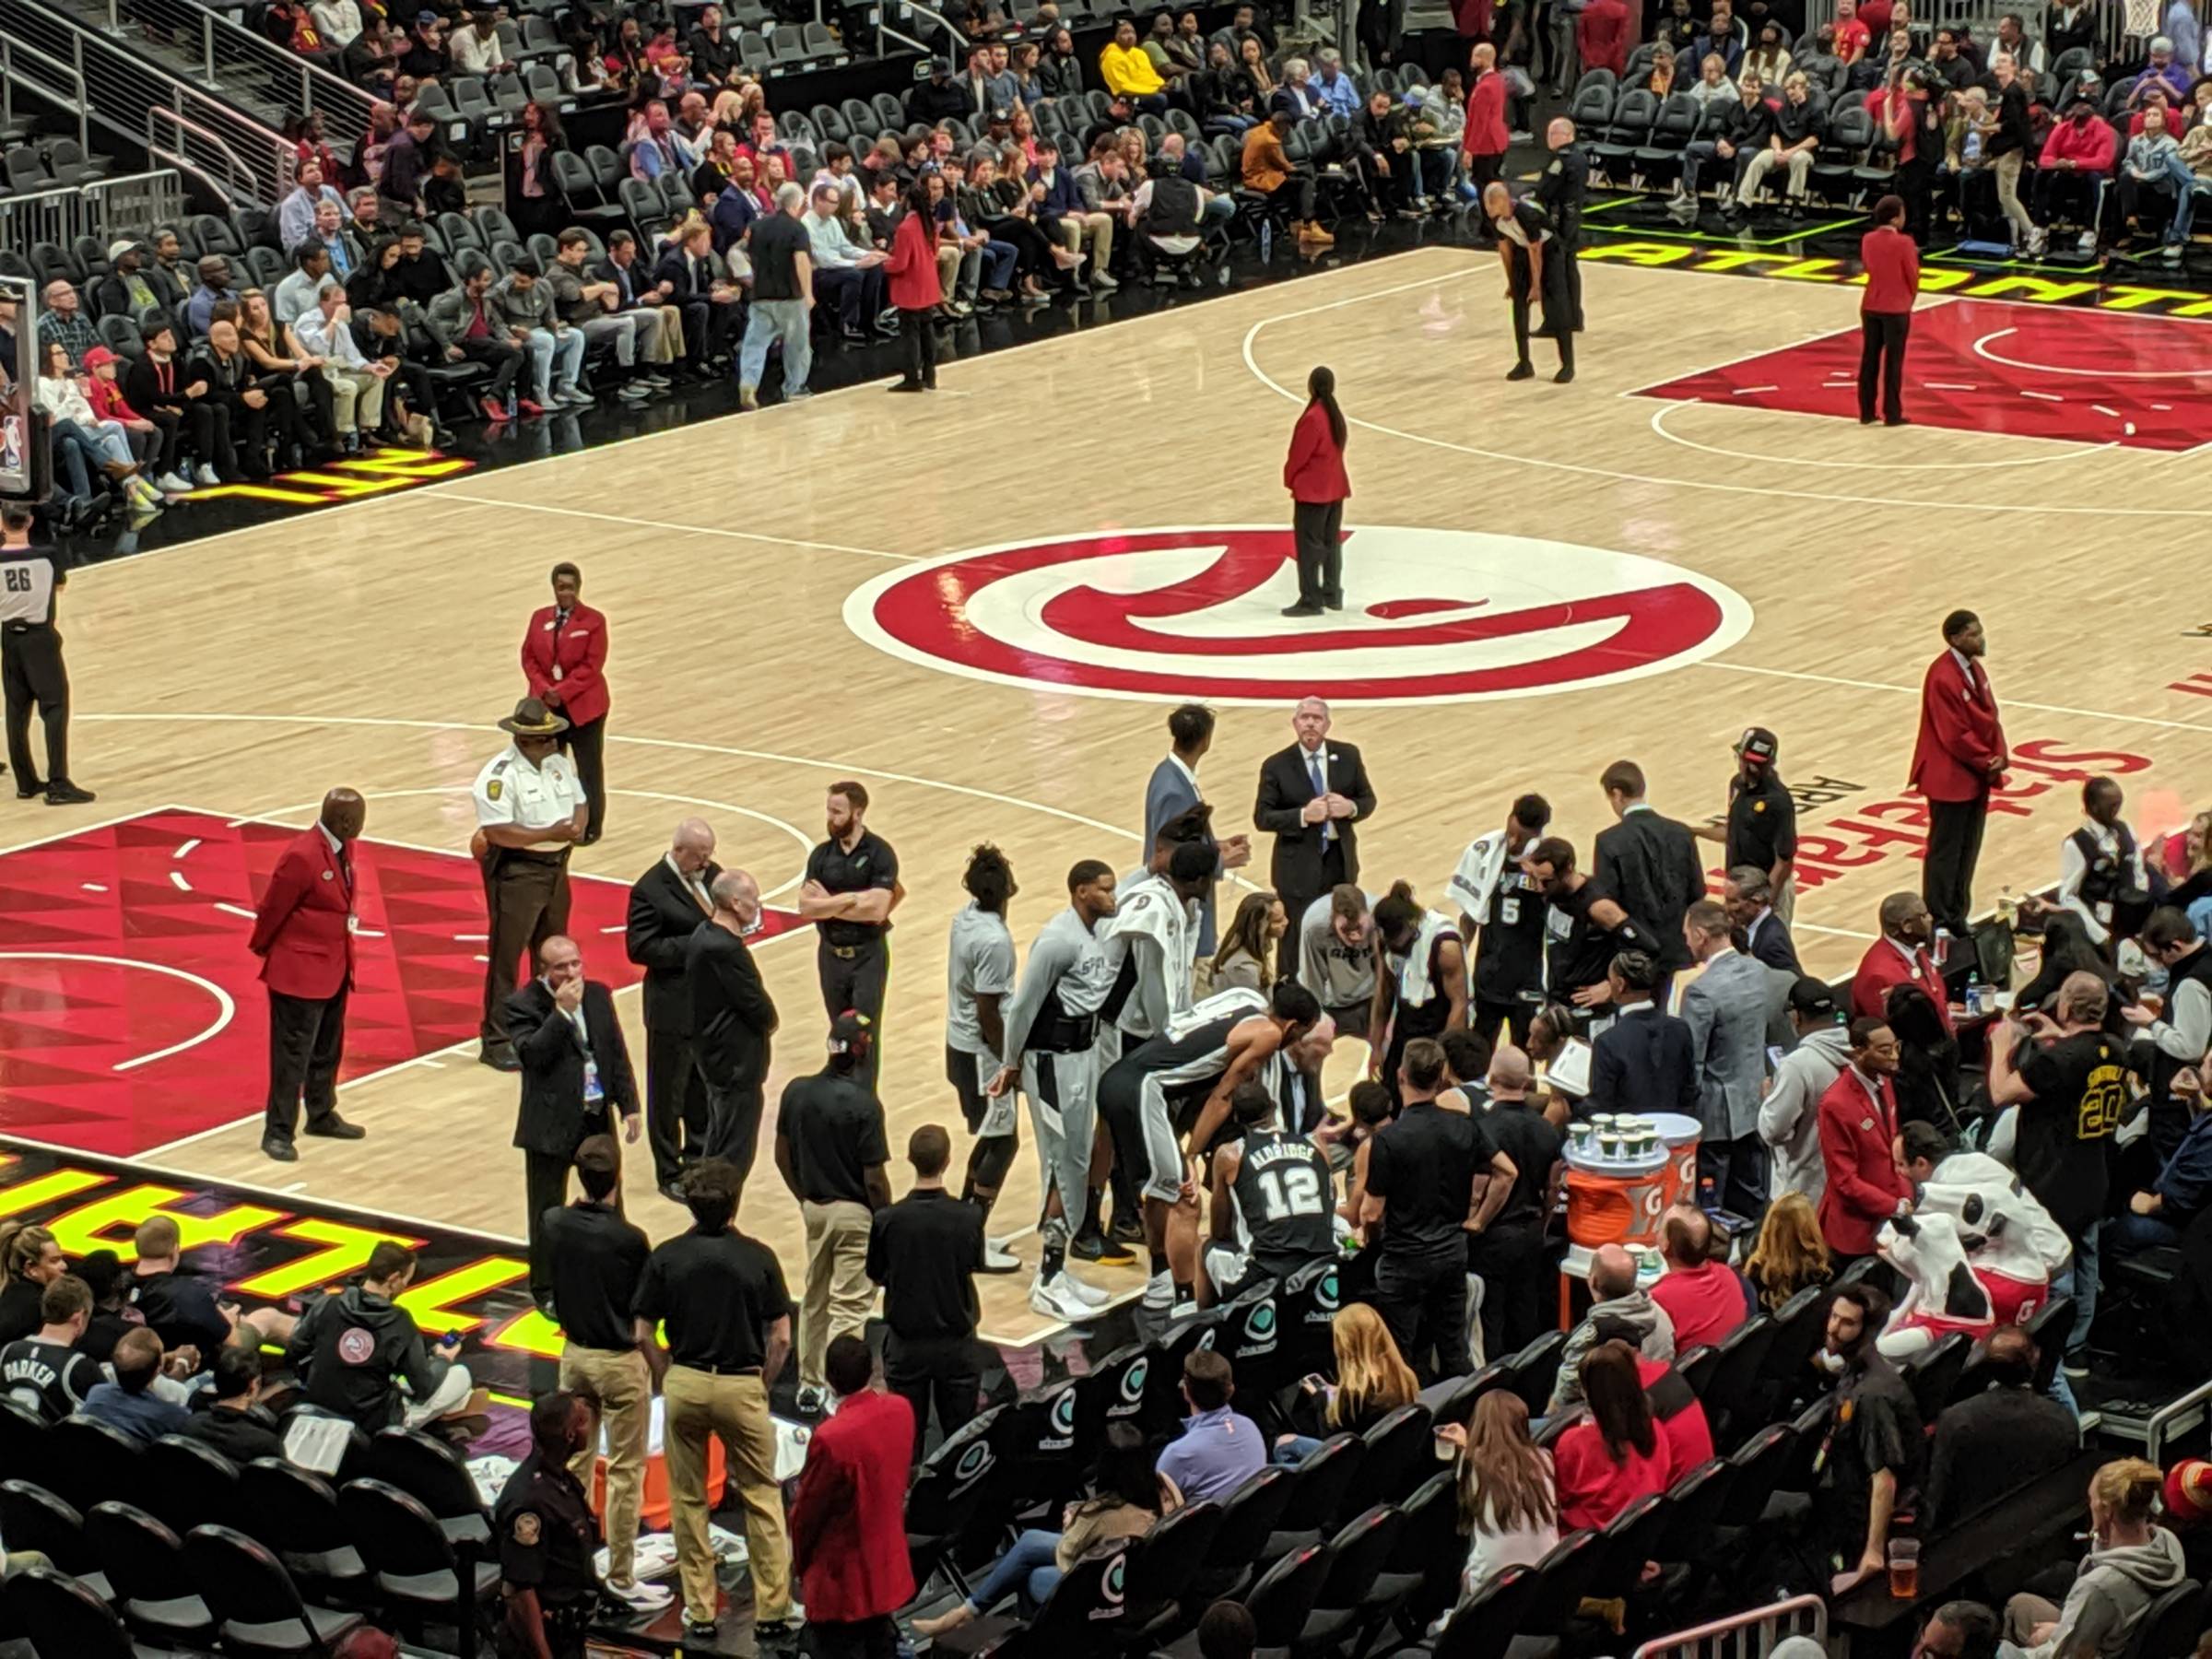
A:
(544, 349)
(2132, 1232)
(773, 320)
(1028, 1566)
(2079, 1281)
(1296, 1450)
(999, 259)
(71, 445)
(2184, 212)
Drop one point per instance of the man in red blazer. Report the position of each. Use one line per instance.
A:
(848, 1521)
(1958, 757)
(564, 658)
(1858, 1144)
(1486, 137)
(303, 933)
(1900, 957)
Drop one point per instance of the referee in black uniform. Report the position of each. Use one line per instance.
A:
(925, 1251)
(851, 887)
(548, 1537)
(31, 674)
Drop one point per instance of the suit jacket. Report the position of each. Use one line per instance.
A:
(1960, 735)
(1884, 965)
(302, 928)
(1644, 1064)
(551, 1119)
(1725, 1009)
(663, 917)
(578, 650)
(732, 1016)
(1650, 866)
(1772, 944)
(848, 1525)
(1286, 786)
(1168, 795)
(1864, 1181)
(694, 278)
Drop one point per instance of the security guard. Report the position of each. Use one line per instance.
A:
(851, 887)
(547, 1539)
(1561, 189)
(1762, 827)
(531, 809)
(30, 662)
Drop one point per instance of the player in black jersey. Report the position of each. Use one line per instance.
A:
(1505, 926)
(1272, 1200)
(1587, 926)
(1420, 981)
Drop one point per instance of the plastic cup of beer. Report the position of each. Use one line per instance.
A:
(1904, 1568)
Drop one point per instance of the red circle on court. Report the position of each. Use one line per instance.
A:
(1432, 615)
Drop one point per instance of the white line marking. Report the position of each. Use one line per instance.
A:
(1981, 350)
(226, 1010)
(94, 887)
(1752, 391)
(1948, 386)
(471, 939)
(2045, 396)
(2044, 458)
(2107, 414)
(186, 850)
(622, 518)
(236, 910)
(176, 879)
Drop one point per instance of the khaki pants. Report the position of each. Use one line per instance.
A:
(839, 1292)
(357, 398)
(2023, 1613)
(699, 1406)
(660, 333)
(1800, 167)
(2007, 169)
(619, 1388)
(1784, 900)
(1098, 228)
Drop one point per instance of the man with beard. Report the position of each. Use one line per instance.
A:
(1586, 925)
(1501, 914)
(1874, 1449)
(851, 886)
(1900, 957)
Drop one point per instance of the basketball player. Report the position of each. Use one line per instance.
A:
(1050, 1045)
(1502, 905)
(1336, 956)
(1272, 1200)
(978, 974)
(1420, 981)
(1586, 926)
(1179, 1084)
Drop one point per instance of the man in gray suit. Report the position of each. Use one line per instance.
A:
(1173, 791)
(1725, 1009)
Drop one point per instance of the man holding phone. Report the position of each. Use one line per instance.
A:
(356, 1349)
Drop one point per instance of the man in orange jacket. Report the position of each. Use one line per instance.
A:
(1267, 168)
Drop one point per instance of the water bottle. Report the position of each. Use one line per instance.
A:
(1973, 993)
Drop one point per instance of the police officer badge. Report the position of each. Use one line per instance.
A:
(526, 1526)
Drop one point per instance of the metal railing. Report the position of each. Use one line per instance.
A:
(234, 60)
(16, 57)
(1751, 1635)
(242, 157)
(2123, 27)
(102, 210)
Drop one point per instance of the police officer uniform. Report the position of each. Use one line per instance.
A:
(31, 673)
(853, 958)
(525, 889)
(547, 1539)
(1561, 190)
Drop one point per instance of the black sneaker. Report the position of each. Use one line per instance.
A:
(281, 1150)
(1126, 1230)
(65, 794)
(335, 1127)
(1301, 609)
(776, 1630)
(29, 789)
(1095, 1247)
(704, 1634)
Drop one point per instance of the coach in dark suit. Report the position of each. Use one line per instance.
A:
(1310, 796)
(1749, 896)
(1649, 864)
(303, 933)
(1173, 791)
(576, 1081)
(732, 1019)
(1643, 1062)
(668, 905)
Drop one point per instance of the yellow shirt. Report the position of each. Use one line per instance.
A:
(1129, 71)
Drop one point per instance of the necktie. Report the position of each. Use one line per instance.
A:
(1321, 787)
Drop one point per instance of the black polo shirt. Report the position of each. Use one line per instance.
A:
(597, 1259)
(719, 1292)
(924, 1251)
(1424, 1165)
(548, 1534)
(1524, 1135)
(1762, 822)
(834, 1125)
(776, 242)
(871, 863)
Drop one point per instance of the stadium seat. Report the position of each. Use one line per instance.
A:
(188, 1483)
(1486, 1625)
(33, 1518)
(432, 1472)
(261, 1613)
(296, 1515)
(418, 1573)
(94, 1461)
(144, 1563)
(68, 1617)
(1317, 1494)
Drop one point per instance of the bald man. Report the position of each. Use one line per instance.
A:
(1310, 795)
(303, 935)
(732, 1019)
(576, 1082)
(1509, 1254)
(667, 904)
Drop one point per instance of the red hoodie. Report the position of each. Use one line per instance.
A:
(2089, 145)
(107, 400)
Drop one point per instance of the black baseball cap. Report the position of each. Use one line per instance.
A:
(1813, 997)
(1758, 746)
(851, 1032)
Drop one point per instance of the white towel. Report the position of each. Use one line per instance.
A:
(1476, 877)
(1148, 908)
(1414, 988)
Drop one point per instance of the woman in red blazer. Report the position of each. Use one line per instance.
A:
(1892, 266)
(1858, 1145)
(912, 274)
(564, 658)
(1315, 476)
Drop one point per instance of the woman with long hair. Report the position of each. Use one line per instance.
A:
(1373, 1380)
(1245, 956)
(1125, 1504)
(537, 195)
(1508, 1502)
(1023, 130)
(1791, 1255)
(912, 271)
(29, 1260)
(1251, 57)
(1614, 1456)
(1315, 476)
(266, 346)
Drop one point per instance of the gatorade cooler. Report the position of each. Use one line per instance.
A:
(1616, 1200)
(1680, 1134)
(655, 1510)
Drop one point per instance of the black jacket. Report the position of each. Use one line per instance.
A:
(1644, 1064)
(931, 101)
(1650, 865)
(364, 1392)
(694, 280)
(1772, 944)
(732, 1015)
(663, 917)
(141, 385)
(1286, 786)
(546, 1042)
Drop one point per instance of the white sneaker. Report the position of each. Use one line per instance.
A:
(642, 1597)
(1098, 279)
(1055, 1299)
(1160, 1292)
(207, 478)
(998, 1258)
(810, 1401)
(1087, 1292)
(173, 484)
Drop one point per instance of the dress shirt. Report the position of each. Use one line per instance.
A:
(326, 338)
(692, 884)
(1317, 770)
(832, 248)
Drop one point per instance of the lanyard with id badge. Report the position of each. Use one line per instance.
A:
(593, 1094)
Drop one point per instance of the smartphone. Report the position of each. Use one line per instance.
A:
(451, 1340)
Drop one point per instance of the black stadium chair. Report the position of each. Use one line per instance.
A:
(33, 1520)
(1047, 1463)
(143, 1563)
(969, 1469)
(1360, 1549)
(1113, 1392)
(1486, 1625)
(432, 1472)
(1454, 1402)
(25, 1442)
(65, 1620)
(296, 1515)
(187, 1484)
(1317, 1494)
(246, 1587)
(1401, 1453)
(1080, 1619)
(1563, 1577)
(419, 1576)
(2170, 1625)
(1164, 1408)
(1249, 1516)
(1535, 1368)
(1421, 1578)
(95, 1461)
(1173, 1549)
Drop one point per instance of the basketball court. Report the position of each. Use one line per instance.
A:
(982, 605)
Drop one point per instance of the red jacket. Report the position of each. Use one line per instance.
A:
(571, 659)
(1893, 266)
(1486, 133)
(1601, 36)
(1858, 1132)
(1961, 736)
(302, 928)
(2091, 147)
(848, 1522)
(1314, 470)
(1882, 966)
(913, 267)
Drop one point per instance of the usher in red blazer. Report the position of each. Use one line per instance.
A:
(579, 649)
(301, 928)
(1960, 735)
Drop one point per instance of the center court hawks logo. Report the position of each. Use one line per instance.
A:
(1436, 615)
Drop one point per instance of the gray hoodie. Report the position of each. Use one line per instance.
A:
(1789, 1118)
(2109, 1595)
(1654, 1326)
